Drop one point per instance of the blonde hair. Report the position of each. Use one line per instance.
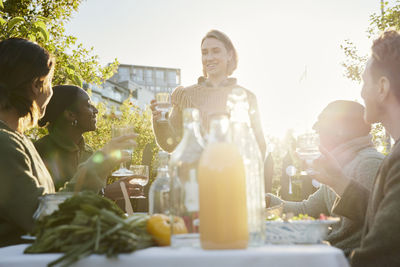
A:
(220, 36)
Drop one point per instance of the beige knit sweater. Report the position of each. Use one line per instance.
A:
(208, 100)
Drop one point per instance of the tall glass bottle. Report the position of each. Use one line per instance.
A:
(184, 184)
(222, 185)
(243, 136)
(159, 193)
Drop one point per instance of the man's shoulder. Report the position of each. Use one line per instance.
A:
(10, 140)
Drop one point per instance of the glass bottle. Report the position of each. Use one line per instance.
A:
(222, 187)
(243, 136)
(159, 193)
(184, 185)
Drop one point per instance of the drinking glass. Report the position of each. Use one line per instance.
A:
(116, 131)
(163, 104)
(139, 177)
(308, 149)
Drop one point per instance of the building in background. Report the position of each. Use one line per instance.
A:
(140, 83)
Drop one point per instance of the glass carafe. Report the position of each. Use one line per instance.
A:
(184, 184)
(243, 136)
(159, 193)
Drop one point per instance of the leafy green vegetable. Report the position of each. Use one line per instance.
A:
(302, 217)
(86, 224)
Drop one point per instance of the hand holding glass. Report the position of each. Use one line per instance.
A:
(116, 131)
(308, 149)
(163, 105)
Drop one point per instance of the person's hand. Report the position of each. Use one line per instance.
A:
(115, 147)
(328, 171)
(156, 113)
(113, 191)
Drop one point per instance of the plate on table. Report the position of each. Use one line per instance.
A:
(28, 237)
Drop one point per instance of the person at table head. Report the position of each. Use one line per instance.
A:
(69, 114)
(26, 71)
(343, 132)
(209, 95)
(377, 209)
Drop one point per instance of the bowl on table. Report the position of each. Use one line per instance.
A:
(298, 232)
(49, 203)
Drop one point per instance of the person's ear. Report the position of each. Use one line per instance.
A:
(230, 55)
(69, 115)
(383, 89)
(37, 86)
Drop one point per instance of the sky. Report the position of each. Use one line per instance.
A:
(275, 40)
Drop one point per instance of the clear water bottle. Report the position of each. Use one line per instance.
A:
(159, 193)
(184, 185)
(243, 136)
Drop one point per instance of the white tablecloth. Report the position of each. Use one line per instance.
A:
(267, 256)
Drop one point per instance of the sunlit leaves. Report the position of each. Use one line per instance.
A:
(43, 21)
(354, 62)
(14, 21)
(40, 27)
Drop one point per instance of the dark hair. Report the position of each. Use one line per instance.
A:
(346, 114)
(64, 98)
(386, 55)
(21, 63)
(232, 65)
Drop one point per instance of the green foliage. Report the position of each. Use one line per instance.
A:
(388, 18)
(43, 21)
(354, 63)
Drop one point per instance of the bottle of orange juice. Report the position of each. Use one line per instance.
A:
(222, 191)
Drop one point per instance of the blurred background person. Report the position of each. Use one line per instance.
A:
(209, 95)
(343, 132)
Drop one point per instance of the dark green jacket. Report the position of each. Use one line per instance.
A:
(379, 210)
(62, 156)
(24, 177)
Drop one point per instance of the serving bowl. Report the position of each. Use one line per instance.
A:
(49, 203)
(298, 232)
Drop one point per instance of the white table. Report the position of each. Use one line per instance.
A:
(267, 256)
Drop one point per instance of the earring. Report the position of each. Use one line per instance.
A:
(74, 123)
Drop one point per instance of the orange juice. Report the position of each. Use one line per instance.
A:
(223, 204)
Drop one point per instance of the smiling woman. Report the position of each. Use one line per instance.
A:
(209, 95)
(69, 114)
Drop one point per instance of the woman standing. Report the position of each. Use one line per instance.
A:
(26, 71)
(209, 95)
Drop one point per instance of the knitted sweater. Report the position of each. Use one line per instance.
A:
(208, 100)
(359, 160)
